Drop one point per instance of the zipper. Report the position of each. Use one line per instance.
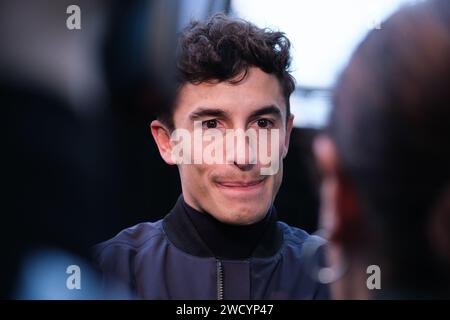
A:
(219, 280)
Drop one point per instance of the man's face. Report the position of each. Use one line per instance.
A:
(234, 191)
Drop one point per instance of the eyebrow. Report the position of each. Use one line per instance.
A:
(265, 111)
(207, 112)
(220, 113)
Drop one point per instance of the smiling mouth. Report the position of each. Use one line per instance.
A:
(240, 185)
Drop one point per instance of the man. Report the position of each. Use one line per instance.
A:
(221, 240)
(385, 162)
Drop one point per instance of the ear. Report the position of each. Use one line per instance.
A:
(289, 126)
(161, 134)
(340, 214)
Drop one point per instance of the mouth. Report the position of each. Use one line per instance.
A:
(241, 186)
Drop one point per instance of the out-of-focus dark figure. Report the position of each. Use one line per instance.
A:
(386, 162)
(73, 101)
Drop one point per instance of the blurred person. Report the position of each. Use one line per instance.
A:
(64, 162)
(385, 161)
(222, 239)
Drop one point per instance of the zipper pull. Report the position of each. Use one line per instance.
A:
(219, 280)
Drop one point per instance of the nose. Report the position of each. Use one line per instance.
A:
(244, 151)
(245, 166)
(241, 147)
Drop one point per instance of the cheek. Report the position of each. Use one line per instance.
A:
(195, 175)
(273, 184)
(278, 178)
(283, 146)
(277, 140)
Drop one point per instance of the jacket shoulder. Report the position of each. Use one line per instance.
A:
(303, 249)
(297, 239)
(132, 238)
(116, 255)
(297, 236)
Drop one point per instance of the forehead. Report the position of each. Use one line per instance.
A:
(258, 89)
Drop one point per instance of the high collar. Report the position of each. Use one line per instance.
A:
(200, 234)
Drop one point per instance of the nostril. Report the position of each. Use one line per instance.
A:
(244, 166)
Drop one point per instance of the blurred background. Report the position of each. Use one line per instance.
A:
(80, 163)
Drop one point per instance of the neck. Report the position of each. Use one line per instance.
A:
(226, 240)
(207, 237)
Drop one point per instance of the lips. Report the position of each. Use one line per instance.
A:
(237, 184)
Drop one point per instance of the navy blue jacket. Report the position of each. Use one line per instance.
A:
(168, 259)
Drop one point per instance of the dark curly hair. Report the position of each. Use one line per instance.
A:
(224, 48)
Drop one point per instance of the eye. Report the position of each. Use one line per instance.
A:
(209, 124)
(264, 123)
